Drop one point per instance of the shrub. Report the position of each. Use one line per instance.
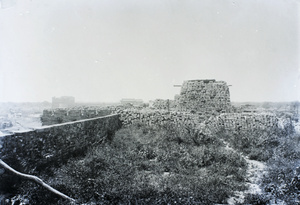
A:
(142, 164)
(281, 181)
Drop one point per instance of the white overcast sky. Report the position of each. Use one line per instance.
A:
(105, 50)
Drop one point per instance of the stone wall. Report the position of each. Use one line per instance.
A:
(32, 151)
(204, 96)
(265, 123)
(157, 117)
(229, 122)
(127, 116)
(163, 104)
(62, 115)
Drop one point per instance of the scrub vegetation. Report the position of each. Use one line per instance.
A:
(176, 165)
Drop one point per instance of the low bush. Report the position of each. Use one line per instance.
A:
(279, 149)
(146, 165)
(281, 182)
(257, 145)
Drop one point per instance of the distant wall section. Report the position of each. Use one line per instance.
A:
(57, 116)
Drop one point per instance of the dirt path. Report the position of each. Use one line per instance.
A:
(255, 172)
(254, 175)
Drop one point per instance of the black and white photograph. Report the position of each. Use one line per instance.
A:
(149, 102)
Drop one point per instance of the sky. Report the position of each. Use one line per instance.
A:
(106, 50)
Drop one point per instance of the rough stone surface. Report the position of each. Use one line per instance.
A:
(163, 104)
(204, 96)
(32, 151)
(156, 118)
(265, 123)
(62, 115)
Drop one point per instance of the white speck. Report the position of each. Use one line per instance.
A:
(218, 12)
(98, 61)
(166, 174)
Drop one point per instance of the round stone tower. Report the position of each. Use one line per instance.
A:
(204, 96)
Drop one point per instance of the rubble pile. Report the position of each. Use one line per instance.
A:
(204, 96)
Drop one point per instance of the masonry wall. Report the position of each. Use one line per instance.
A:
(156, 118)
(231, 122)
(265, 123)
(62, 115)
(32, 151)
(204, 96)
(262, 123)
(163, 104)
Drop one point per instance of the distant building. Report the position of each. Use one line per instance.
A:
(63, 102)
(131, 101)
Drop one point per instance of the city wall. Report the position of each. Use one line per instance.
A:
(230, 122)
(32, 151)
(264, 123)
(157, 117)
(62, 115)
